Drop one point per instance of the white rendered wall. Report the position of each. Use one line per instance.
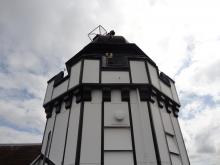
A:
(111, 110)
(138, 72)
(115, 77)
(117, 139)
(118, 158)
(172, 144)
(175, 159)
(170, 134)
(153, 75)
(91, 133)
(145, 153)
(180, 141)
(60, 89)
(59, 134)
(174, 92)
(168, 128)
(166, 89)
(118, 149)
(156, 82)
(71, 143)
(49, 92)
(48, 128)
(75, 74)
(117, 133)
(91, 71)
(160, 134)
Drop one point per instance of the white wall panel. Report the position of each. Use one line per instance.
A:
(59, 134)
(167, 121)
(174, 92)
(133, 97)
(117, 139)
(60, 89)
(91, 71)
(49, 127)
(180, 141)
(91, 134)
(145, 153)
(172, 144)
(72, 135)
(111, 112)
(166, 89)
(176, 160)
(154, 76)
(49, 92)
(160, 134)
(115, 77)
(118, 158)
(138, 72)
(115, 96)
(75, 74)
(96, 96)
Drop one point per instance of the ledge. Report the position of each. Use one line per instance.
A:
(83, 93)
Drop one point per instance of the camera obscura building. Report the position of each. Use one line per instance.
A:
(113, 108)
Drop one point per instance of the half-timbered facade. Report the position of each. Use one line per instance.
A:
(113, 108)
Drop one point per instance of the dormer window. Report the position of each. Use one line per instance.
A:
(111, 60)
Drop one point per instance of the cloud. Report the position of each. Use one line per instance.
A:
(202, 135)
(9, 135)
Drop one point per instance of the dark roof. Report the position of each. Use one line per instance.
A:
(18, 154)
(109, 39)
(108, 44)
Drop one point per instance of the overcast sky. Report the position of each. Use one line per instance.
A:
(182, 37)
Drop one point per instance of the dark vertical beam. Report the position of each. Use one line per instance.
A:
(154, 134)
(102, 133)
(100, 72)
(148, 73)
(44, 134)
(157, 153)
(79, 139)
(54, 124)
(67, 129)
(132, 133)
(47, 145)
(102, 112)
(81, 71)
(129, 71)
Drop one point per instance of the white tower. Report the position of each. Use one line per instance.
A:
(113, 108)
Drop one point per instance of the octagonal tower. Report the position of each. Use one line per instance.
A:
(113, 108)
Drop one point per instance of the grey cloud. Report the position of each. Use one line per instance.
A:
(193, 104)
(37, 38)
(206, 148)
(209, 74)
(204, 143)
(190, 46)
(8, 135)
(191, 43)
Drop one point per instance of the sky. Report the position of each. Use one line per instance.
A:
(181, 36)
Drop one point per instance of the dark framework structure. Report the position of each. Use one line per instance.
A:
(112, 108)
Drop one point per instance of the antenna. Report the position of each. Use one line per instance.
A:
(99, 30)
